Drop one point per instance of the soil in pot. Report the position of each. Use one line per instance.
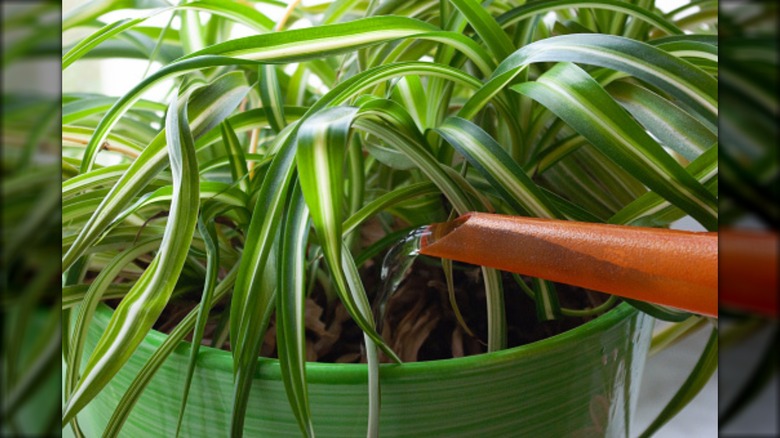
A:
(420, 324)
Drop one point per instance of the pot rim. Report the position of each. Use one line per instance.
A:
(321, 372)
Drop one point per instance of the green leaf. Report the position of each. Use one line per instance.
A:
(92, 41)
(546, 299)
(407, 92)
(143, 304)
(496, 310)
(386, 201)
(691, 86)
(388, 155)
(291, 311)
(87, 106)
(322, 140)
(238, 167)
(207, 231)
(258, 315)
(282, 47)
(372, 355)
(235, 11)
(245, 121)
(318, 42)
(497, 166)
(209, 191)
(673, 127)
(652, 210)
(260, 238)
(207, 109)
(547, 157)
(532, 9)
(91, 298)
(78, 136)
(74, 295)
(581, 102)
(659, 312)
(88, 12)
(486, 27)
(411, 143)
(271, 96)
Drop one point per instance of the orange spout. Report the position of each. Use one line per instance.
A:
(669, 267)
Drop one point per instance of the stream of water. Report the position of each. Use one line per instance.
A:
(394, 266)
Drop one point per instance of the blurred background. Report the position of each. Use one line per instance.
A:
(29, 233)
(749, 187)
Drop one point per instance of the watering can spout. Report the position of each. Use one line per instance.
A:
(669, 267)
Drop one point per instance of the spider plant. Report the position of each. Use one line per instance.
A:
(254, 175)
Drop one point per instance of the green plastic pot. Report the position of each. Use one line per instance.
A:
(580, 383)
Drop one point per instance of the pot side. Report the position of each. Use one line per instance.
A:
(581, 383)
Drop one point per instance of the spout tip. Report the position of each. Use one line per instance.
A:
(437, 231)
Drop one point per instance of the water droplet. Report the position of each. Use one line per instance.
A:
(394, 266)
